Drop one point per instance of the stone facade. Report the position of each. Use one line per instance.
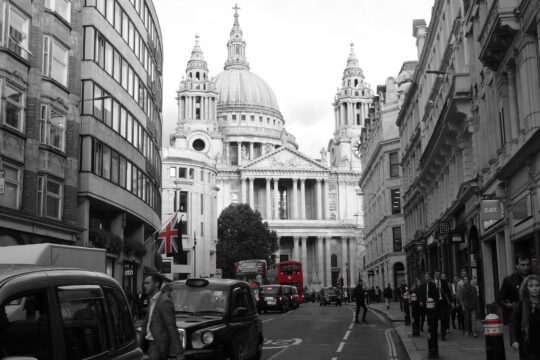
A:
(233, 121)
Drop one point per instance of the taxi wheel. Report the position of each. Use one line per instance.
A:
(258, 355)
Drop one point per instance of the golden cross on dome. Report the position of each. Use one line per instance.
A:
(236, 8)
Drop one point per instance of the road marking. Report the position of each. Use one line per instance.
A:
(392, 354)
(340, 347)
(351, 326)
(277, 354)
(347, 335)
(334, 358)
(278, 344)
(268, 320)
(378, 315)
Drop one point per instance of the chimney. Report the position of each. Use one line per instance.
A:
(419, 32)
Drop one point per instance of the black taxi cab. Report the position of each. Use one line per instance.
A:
(216, 318)
(51, 313)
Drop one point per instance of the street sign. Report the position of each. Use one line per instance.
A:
(2, 181)
(444, 227)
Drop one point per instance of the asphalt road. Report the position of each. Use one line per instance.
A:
(329, 333)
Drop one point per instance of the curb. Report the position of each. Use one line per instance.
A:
(406, 340)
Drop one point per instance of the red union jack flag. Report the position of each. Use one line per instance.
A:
(168, 237)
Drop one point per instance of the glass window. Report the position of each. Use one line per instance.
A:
(119, 315)
(110, 11)
(395, 201)
(116, 66)
(88, 96)
(18, 32)
(123, 122)
(109, 58)
(12, 186)
(56, 128)
(172, 172)
(26, 329)
(14, 107)
(115, 158)
(116, 116)
(106, 162)
(128, 176)
(182, 172)
(122, 175)
(83, 321)
(58, 62)
(61, 7)
(396, 236)
(49, 198)
(394, 164)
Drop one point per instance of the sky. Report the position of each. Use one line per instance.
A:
(299, 47)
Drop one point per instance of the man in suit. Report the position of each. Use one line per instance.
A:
(359, 296)
(159, 333)
(509, 294)
(442, 302)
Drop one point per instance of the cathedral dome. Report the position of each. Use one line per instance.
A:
(239, 86)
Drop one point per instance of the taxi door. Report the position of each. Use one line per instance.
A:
(244, 323)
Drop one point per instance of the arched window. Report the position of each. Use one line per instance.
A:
(197, 76)
(358, 106)
(358, 119)
(333, 260)
(355, 82)
(348, 82)
(190, 75)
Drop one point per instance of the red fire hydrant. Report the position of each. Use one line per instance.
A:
(493, 332)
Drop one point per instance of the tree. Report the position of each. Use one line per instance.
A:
(242, 235)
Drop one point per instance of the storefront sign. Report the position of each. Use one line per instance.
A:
(491, 210)
(444, 228)
(166, 267)
(521, 209)
(457, 237)
(128, 269)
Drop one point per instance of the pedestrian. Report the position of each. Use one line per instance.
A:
(359, 296)
(161, 339)
(143, 304)
(457, 311)
(509, 294)
(387, 293)
(442, 302)
(525, 321)
(377, 294)
(418, 311)
(468, 298)
(428, 290)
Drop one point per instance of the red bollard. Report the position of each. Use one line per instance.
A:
(493, 332)
(433, 345)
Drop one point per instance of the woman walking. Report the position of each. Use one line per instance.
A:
(525, 321)
(387, 293)
(468, 299)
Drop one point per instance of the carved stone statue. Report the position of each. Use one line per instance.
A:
(323, 154)
(268, 148)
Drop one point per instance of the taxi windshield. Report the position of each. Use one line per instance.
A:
(198, 300)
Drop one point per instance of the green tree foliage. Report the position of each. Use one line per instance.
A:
(242, 235)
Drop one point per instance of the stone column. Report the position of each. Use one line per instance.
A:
(263, 149)
(295, 198)
(244, 192)
(251, 193)
(320, 260)
(303, 199)
(344, 259)
(352, 256)
(276, 199)
(319, 200)
(268, 199)
(251, 150)
(239, 153)
(304, 258)
(326, 200)
(180, 109)
(296, 255)
(530, 88)
(328, 262)
(513, 105)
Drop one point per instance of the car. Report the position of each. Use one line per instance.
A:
(274, 297)
(54, 313)
(310, 296)
(295, 298)
(216, 318)
(329, 295)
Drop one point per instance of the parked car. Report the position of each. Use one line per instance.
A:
(274, 297)
(329, 295)
(52, 313)
(310, 296)
(216, 318)
(295, 298)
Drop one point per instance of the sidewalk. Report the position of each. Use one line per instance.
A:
(456, 346)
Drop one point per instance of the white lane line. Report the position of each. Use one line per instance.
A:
(277, 354)
(347, 335)
(340, 347)
(351, 326)
(392, 354)
(334, 358)
(268, 320)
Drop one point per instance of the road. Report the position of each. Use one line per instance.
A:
(329, 333)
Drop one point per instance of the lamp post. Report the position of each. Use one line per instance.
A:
(194, 254)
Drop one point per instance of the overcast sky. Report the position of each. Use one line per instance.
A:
(300, 47)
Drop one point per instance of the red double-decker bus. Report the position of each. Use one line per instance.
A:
(287, 273)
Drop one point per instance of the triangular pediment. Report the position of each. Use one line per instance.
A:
(285, 158)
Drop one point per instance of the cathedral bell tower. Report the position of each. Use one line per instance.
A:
(197, 100)
(351, 107)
